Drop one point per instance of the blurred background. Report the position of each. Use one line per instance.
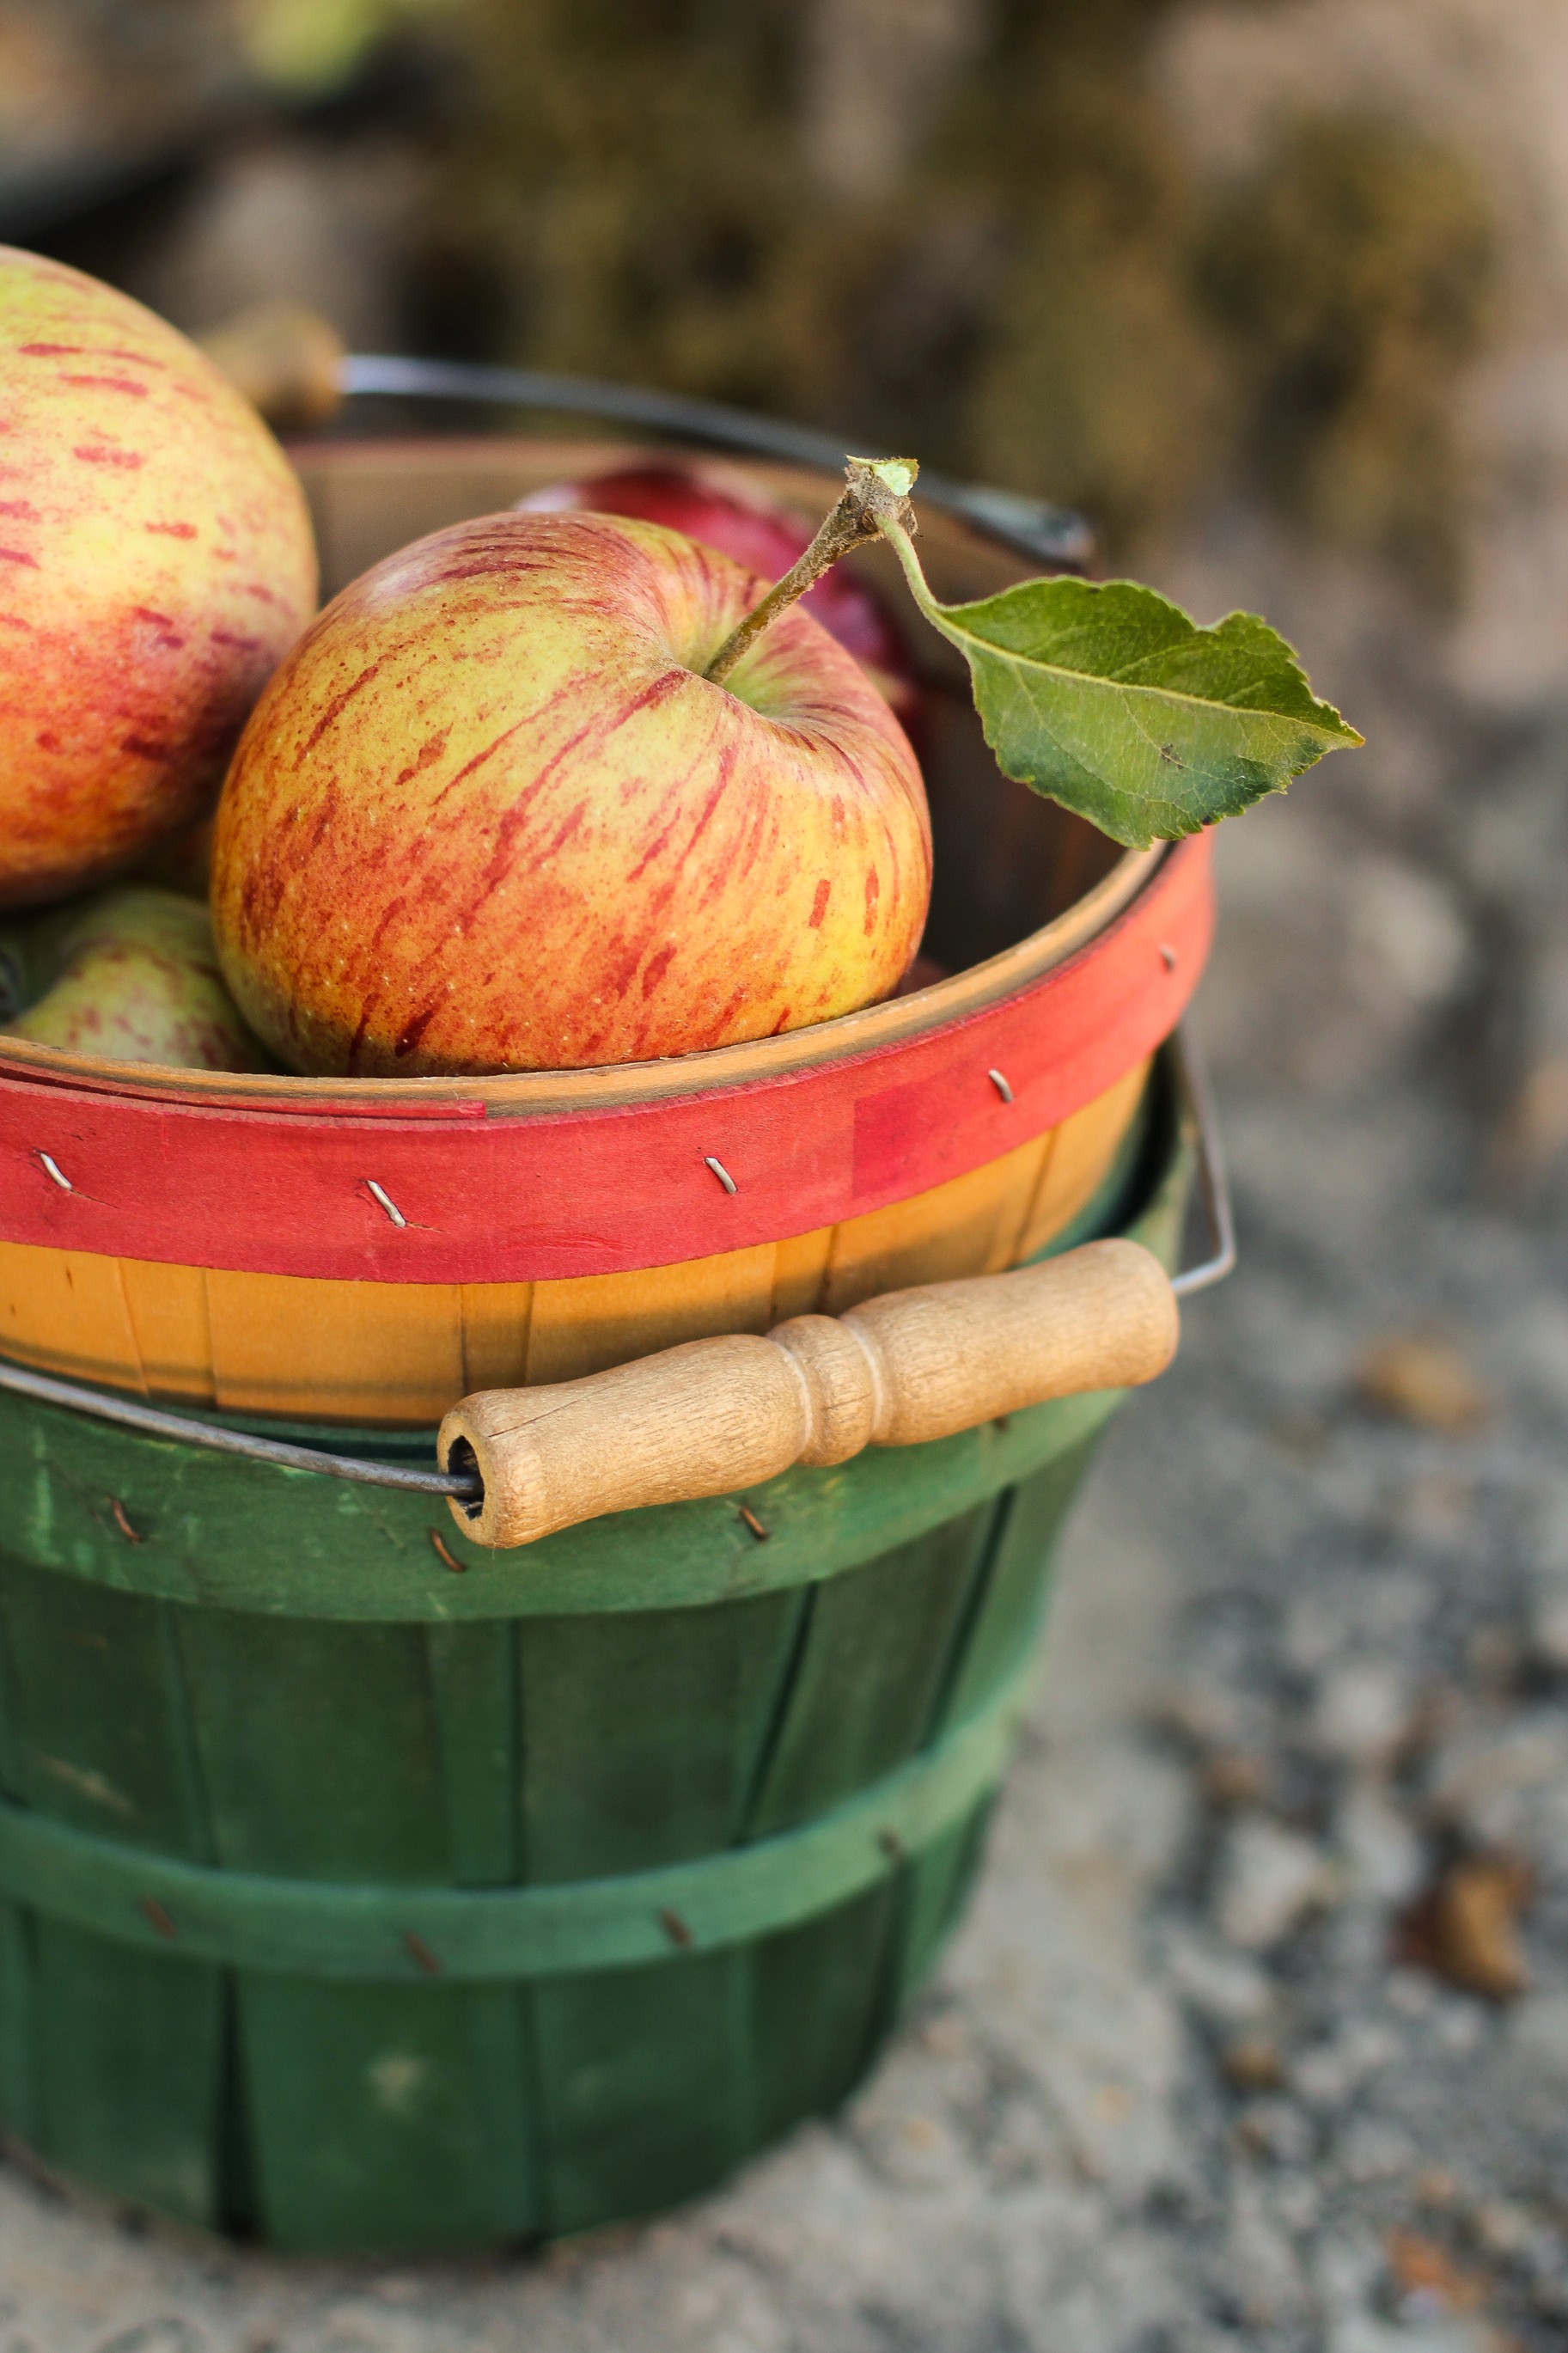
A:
(1270, 289)
(1269, 1985)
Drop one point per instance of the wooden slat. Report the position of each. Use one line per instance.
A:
(473, 1678)
(643, 1731)
(1081, 1151)
(877, 1652)
(129, 2063)
(800, 1267)
(18, 2022)
(495, 1318)
(167, 1306)
(642, 2077)
(371, 2106)
(317, 1747)
(934, 1886)
(820, 1996)
(964, 1227)
(592, 1320)
(335, 1351)
(66, 1310)
(383, 1753)
(97, 1731)
(1031, 1519)
(128, 2045)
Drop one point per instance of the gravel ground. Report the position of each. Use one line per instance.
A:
(1258, 2033)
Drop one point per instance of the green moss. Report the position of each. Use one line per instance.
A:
(1354, 276)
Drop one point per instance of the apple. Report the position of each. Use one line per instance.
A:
(489, 815)
(155, 562)
(766, 538)
(133, 975)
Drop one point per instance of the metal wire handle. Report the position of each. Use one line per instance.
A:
(218, 1440)
(1214, 1179)
(1053, 535)
(1214, 1194)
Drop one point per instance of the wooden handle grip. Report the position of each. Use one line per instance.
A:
(716, 1415)
(285, 360)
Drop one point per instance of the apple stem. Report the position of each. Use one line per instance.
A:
(897, 534)
(875, 500)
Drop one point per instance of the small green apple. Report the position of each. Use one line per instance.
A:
(130, 975)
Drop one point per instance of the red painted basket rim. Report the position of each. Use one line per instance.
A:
(460, 1189)
(554, 1091)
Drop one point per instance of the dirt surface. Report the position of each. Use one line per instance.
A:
(1258, 2033)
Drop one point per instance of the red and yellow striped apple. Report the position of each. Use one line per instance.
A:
(490, 814)
(155, 562)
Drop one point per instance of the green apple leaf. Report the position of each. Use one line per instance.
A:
(1107, 699)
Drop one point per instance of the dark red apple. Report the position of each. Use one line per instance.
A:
(766, 538)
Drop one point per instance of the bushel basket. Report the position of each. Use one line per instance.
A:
(364, 1887)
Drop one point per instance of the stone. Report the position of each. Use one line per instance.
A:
(1276, 2129)
(1423, 1377)
(1500, 1781)
(1259, 2274)
(1254, 2062)
(1348, 2269)
(1541, 1339)
(1220, 1985)
(1549, 1573)
(1538, 2035)
(1410, 1993)
(1548, 1619)
(1234, 1776)
(1459, 2024)
(1384, 1854)
(1330, 2071)
(1429, 2279)
(1437, 1507)
(1502, 2228)
(1362, 1712)
(1359, 2332)
(1549, 2297)
(1268, 1878)
(1370, 2150)
(165, 2335)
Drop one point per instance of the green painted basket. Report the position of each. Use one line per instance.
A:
(354, 1903)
